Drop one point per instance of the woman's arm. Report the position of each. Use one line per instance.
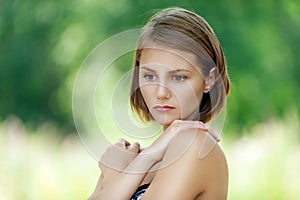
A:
(116, 184)
(125, 184)
(113, 162)
(187, 174)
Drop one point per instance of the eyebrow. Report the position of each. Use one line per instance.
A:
(173, 71)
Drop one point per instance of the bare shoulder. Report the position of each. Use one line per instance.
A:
(207, 161)
(194, 167)
(201, 145)
(197, 145)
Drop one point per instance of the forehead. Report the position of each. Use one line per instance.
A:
(169, 58)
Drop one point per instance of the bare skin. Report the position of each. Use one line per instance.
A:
(122, 181)
(185, 161)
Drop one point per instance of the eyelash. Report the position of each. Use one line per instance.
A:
(175, 77)
(147, 77)
(181, 77)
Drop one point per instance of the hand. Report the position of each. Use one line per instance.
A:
(197, 124)
(202, 126)
(157, 149)
(116, 158)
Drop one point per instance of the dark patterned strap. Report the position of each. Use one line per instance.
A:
(140, 192)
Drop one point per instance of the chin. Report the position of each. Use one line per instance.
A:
(165, 122)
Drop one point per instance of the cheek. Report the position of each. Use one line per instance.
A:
(189, 96)
(147, 92)
(199, 94)
(198, 88)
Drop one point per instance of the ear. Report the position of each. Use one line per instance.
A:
(210, 80)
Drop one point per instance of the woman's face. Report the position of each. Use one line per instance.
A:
(171, 86)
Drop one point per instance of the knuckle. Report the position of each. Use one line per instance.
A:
(177, 121)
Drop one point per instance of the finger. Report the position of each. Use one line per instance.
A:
(120, 143)
(123, 142)
(182, 124)
(134, 148)
(174, 124)
(177, 121)
(127, 143)
(193, 124)
(215, 134)
(119, 146)
(135, 145)
(203, 126)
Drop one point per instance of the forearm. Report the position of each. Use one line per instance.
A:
(125, 184)
(99, 187)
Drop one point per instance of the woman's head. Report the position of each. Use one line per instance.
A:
(177, 53)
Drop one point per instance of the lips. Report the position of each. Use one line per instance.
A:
(164, 108)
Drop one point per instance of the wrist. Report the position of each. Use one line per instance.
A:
(141, 164)
(151, 156)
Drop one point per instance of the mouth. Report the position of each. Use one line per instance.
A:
(164, 108)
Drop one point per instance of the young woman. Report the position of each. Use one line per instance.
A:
(179, 81)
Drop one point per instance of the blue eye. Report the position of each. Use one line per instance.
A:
(150, 77)
(177, 77)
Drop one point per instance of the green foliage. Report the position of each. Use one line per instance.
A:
(42, 44)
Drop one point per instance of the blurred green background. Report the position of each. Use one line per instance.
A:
(43, 43)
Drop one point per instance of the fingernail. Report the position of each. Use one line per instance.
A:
(205, 126)
(135, 144)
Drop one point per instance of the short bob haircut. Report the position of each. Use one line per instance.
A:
(186, 31)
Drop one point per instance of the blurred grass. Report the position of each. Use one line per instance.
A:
(42, 165)
(263, 164)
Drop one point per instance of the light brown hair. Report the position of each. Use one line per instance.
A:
(184, 30)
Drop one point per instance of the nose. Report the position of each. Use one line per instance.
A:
(162, 92)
